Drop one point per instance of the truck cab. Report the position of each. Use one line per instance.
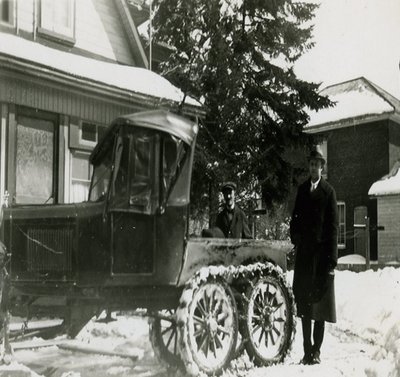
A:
(131, 231)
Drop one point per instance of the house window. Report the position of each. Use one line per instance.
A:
(35, 160)
(85, 135)
(342, 224)
(7, 11)
(57, 18)
(89, 132)
(81, 172)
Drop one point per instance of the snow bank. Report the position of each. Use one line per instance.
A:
(365, 342)
(368, 306)
(352, 259)
(115, 335)
(16, 369)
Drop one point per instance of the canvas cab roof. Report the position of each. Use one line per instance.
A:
(159, 120)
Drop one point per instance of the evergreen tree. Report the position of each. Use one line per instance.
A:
(237, 57)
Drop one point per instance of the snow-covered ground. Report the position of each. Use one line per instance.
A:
(364, 342)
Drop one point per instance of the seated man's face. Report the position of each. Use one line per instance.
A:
(229, 197)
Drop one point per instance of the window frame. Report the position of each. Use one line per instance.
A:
(76, 141)
(14, 116)
(51, 29)
(73, 153)
(342, 224)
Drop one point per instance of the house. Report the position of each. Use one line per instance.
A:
(360, 137)
(67, 69)
(387, 193)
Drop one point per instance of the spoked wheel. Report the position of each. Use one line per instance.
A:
(164, 337)
(208, 327)
(268, 322)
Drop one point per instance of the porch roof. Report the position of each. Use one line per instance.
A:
(133, 81)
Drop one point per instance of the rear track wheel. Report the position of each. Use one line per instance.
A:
(268, 319)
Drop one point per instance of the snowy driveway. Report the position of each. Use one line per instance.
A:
(344, 354)
(364, 343)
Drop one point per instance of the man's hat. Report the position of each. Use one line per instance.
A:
(228, 185)
(316, 154)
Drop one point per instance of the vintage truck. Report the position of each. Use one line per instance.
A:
(128, 247)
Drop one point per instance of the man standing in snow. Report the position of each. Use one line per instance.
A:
(313, 230)
(232, 220)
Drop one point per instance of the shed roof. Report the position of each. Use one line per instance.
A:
(356, 101)
(387, 185)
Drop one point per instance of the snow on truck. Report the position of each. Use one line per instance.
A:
(128, 247)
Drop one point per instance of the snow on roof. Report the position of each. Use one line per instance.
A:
(387, 185)
(355, 98)
(132, 79)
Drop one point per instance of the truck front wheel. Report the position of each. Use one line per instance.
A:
(208, 325)
(268, 318)
(164, 337)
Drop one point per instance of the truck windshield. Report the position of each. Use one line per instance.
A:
(101, 178)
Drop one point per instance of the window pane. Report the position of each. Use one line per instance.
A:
(142, 157)
(63, 13)
(6, 7)
(57, 16)
(80, 176)
(89, 132)
(80, 166)
(142, 196)
(121, 182)
(34, 160)
(100, 132)
(46, 14)
(80, 191)
(101, 178)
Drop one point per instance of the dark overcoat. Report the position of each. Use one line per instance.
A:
(237, 228)
(313, 230)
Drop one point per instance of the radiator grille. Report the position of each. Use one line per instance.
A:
(50, 249)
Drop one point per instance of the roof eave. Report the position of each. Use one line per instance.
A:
(351, 122)
(378, 195)
(133, 35)
(28, 68)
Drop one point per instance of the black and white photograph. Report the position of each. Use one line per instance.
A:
(199, 188)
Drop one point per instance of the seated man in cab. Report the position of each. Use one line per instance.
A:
(232, 220)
